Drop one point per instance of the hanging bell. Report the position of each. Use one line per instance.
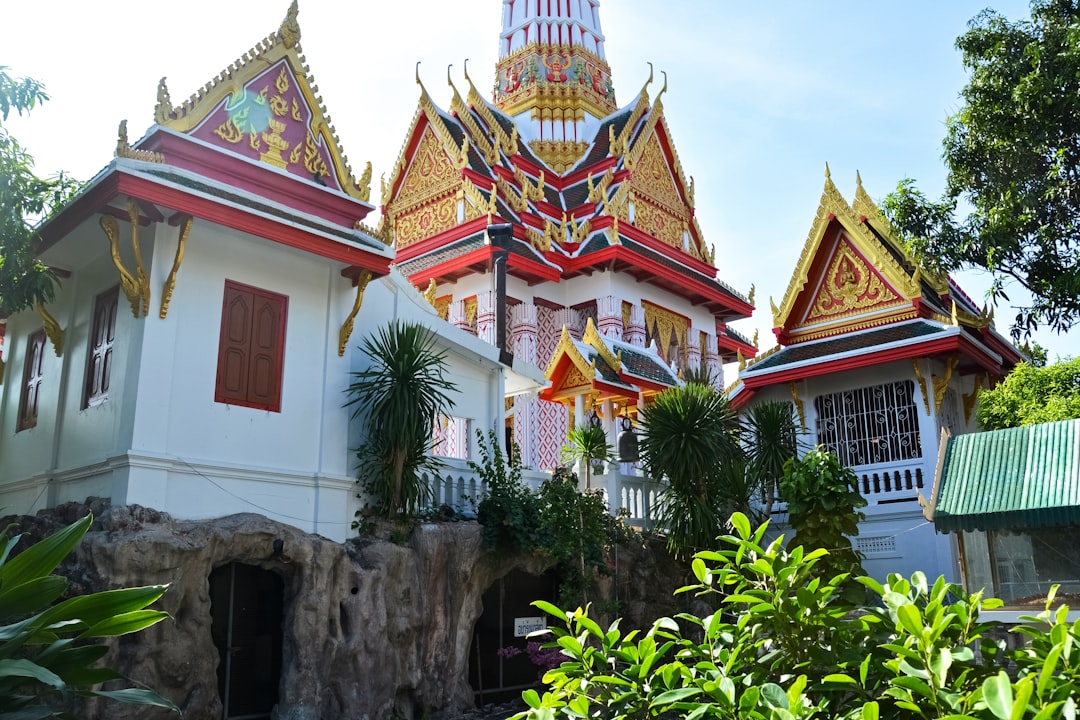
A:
(628, 447)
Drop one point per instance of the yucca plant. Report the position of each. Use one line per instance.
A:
(400, 394)
(588, 443)
(47, 655)
(771, 440)
(691, 439)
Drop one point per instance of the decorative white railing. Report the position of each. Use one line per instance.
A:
(457, 486)
(889, 483)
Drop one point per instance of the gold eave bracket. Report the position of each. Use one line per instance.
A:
(136, 287)
(347, 327)
(52, 329)
(170, 281)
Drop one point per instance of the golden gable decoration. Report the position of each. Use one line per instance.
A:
(266, 106)
(849, 285)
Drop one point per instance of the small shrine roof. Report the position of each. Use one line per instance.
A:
(821, 349)
(645, 364)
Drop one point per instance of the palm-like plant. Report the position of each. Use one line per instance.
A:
(691, 438)
(587, 442)
(400, 395)
(771, 440)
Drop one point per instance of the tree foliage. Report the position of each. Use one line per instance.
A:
(48, 654)
(771, 440)
(24, 199)
(823, 508)
(1030, 395)
(784, 644)
(587, 442)
(400, 395)
(691, 440)
(1012, 152)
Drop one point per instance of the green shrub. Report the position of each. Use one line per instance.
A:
(47, 653)
(784, 644)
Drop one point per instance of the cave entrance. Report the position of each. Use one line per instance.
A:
(499, 663)
(246, 605)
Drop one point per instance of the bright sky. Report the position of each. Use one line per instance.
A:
(760, 95)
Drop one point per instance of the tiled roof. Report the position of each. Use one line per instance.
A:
(442, 254)
(845, 343)
(600, 146)
(268, 208)
(674, 265)
(1015, 479)
(638, 363)
(737, 336)
(576, 195)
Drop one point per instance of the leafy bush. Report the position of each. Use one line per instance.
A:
(783, 644)
(823, 509)
(572, 528)
(46, 655)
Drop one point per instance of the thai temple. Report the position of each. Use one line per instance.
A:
(879, 357)
(219, 273)
(610, 285)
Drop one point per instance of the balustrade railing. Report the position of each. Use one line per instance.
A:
(457, 486)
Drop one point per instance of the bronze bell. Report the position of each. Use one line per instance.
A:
(628, 447)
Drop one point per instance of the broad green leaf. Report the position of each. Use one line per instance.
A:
(998, 695)
(25, 668)
(870, 711)
(531, 698)
(41, 558)
(910, 619)
(550, 609)
(31, 596)
(673, 696)
(741, 525)
(125, 623)
(138, 696)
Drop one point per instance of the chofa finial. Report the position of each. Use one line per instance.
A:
(289, 32)
(828, 175)
(164, 103)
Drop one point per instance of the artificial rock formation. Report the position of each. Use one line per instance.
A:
(371, 629)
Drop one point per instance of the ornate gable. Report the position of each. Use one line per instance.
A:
(426, 200)
(846, 277)
(264, 107)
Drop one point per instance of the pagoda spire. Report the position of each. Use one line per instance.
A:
(552, 75)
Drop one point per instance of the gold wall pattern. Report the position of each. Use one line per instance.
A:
(425, 221)
(652, 178)
(662, 224)
(664, 325)
(849, 284)
(430, 174)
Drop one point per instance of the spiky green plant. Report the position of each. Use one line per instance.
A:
(771, 440)
(587, 442)
(691, 439)
(400, 394)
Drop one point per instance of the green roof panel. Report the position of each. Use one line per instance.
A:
(1015, 479)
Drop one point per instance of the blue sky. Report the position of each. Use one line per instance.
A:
(760, 95)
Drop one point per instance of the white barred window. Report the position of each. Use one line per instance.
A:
(871, 425)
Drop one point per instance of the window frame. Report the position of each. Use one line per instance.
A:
(846, 430)
(110, 302)
(36, 339)
(248, 398)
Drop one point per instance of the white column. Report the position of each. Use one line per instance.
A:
(571, 319)
(693, 349)
(609, 317)
(635, 331)
(485, 316)
(712, 362)
(524, 331)
(456, 316)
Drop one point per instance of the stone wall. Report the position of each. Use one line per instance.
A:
(371, 628)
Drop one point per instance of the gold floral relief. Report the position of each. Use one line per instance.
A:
(652, 177)
(850, 284)
(658, 222)
(431, 173)
(442, 306)
(425, 221)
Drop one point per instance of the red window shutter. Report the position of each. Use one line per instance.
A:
(32, 376)
(102, 337)
(252, 347)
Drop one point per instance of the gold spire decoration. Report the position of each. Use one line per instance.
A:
(289, 32)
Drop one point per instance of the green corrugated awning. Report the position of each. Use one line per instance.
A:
(1015, 479)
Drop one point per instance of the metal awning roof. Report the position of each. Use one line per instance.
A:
(1016, 479)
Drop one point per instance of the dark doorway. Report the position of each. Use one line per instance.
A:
(246, 605)
(499, 664)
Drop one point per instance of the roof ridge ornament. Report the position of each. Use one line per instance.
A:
(164, 109)
(289, 32)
